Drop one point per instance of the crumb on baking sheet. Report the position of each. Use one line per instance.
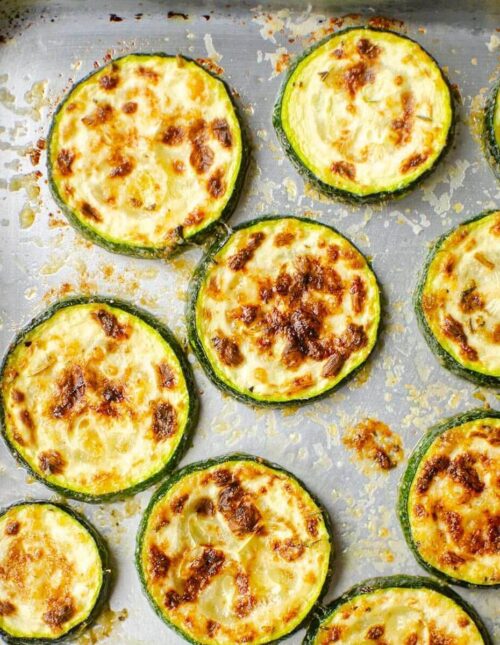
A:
(372, 440)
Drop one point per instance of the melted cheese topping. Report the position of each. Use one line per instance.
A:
(50, 572)
(461, 295)
(454, 503)
(144, 146)
(95, 399)
(308, 274)
(235, 553)
(399, 616)
(367, 111)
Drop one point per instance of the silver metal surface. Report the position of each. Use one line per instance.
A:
(50, 44)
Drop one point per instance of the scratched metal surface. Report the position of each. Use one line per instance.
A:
(52, 43)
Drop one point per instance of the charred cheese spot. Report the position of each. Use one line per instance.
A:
(173, 135)
(51, 462)
(50, 573)
(453, 503)
(460, 295)
(109, 81)
(106, 397)
(222, 132)
(65, 160)
(166, 375)
(173, 125)
(366, 112)
(275, 319)
(239, 569)
(344, 169)
(99, 116)
(110, 324)
(399, 615)
(216, 185)
(160, 563)
(130, 107)
(12, 527)
(90, 212)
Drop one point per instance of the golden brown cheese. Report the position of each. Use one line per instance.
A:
(235, 553)
(399, 616)
(461, 295)
(95, 399)
(367, 111)
(50, 571)
(146, 149)
(454, 503)
(287, 309)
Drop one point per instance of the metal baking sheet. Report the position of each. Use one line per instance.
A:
(48, 45)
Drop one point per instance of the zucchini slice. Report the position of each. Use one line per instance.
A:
(365, 114)
(146, 154)
(234, 550)
(398, 610)
(492, 128)
(54, 573)
(97, 400)
(457, 300)
(449, 504)
(282, 310)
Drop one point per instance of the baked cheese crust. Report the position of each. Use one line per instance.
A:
(236, 552)
(399, 616)
(461, 295)
(367, 112)
(454, 503)
(286, 309)
(50, 571)
(145, 152)
(95, 399)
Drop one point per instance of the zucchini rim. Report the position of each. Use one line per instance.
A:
(408, 477)
(443, 356)
(103, 552)
(339, 193)
(194, 338)
(168, 337)
(203, 465)
(183, 243)
(492, 143)
(394, 581)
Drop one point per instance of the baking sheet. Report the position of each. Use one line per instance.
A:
(45, 46)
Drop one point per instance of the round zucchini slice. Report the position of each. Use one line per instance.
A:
(365, 114)
(54, 573)
(398, 610)
(146, 154)
(449, 500)
(457, 300)
(492, 128)
(282, 310)
(234, 550)
(97, 400)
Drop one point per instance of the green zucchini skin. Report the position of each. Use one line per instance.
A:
(202, 465)
(194, 339)
(339, 194)
(441, 354)
(400, 580)
(150, 251)
(491, 143)
(417, 455)
(106, 578)
(188, 375)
